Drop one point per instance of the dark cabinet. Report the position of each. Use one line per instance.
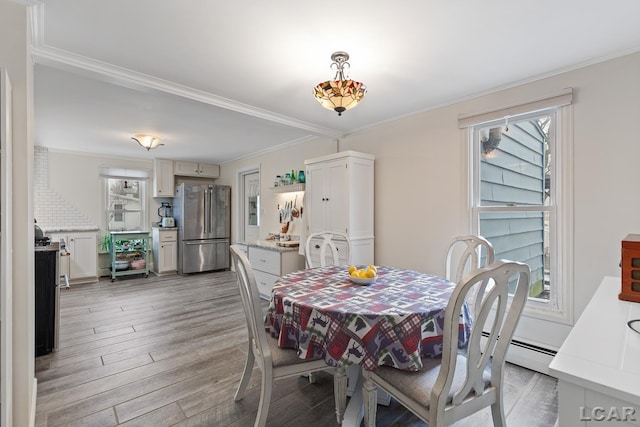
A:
(45, 300)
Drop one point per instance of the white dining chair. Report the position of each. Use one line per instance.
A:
(324, 247)
(465, 254)
(274, 362)
(470, 258)
(459, 384)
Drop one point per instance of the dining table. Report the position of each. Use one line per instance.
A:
(396, 321)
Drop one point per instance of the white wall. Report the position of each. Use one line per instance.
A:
(50, 208)
(76, 178)
(15, 56)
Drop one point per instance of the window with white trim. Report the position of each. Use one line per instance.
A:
(521, 197)
(124, 199)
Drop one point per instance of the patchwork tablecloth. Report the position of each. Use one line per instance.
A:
(394, 321)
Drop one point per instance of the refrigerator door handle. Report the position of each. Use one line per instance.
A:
(209, 204)
(207, 211)
(205, 242)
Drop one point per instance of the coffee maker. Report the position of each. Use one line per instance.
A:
(165, 212)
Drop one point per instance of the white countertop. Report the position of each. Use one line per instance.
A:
(602, 353)
(68, 228)
(269, 244)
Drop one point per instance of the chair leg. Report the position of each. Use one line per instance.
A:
(497, 412)
(340, 392)
(370, 399)
(265, 397)
(246, 375)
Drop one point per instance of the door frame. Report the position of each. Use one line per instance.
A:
(6, 257)
(240, 199)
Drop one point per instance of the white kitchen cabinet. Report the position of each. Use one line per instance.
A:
(269, 264)
(339, 197)
(83, 258)
(201, 170)
(244, 248)
(163, 178)
(165, 250)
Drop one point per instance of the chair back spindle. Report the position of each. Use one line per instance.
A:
(326, 249)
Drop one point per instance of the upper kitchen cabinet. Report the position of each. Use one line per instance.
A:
(163, 178)
(339, 197)
(201, 170)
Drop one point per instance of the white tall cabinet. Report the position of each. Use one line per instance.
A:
(339, 197)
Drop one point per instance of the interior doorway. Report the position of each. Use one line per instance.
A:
(249, 204)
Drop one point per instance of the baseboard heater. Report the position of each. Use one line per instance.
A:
(528, 346)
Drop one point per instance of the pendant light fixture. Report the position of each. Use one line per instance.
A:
(339, 94)
(146, 141)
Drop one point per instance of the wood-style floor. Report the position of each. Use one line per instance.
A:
(166, 351)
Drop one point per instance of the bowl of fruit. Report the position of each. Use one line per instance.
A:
(363, 276)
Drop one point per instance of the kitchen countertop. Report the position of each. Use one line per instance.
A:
(53, 246)
(269, 244)
(64, 228)
(124, 233)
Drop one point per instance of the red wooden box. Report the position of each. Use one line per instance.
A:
(630, 268)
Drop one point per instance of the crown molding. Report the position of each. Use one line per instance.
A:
(62, 59)
(59, 58)
(278, 147)
(28, 2)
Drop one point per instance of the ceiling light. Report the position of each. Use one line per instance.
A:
(339, 94)
(146, 141)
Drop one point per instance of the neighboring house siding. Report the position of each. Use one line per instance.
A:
(516, 176)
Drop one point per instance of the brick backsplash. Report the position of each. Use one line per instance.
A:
(49, 208)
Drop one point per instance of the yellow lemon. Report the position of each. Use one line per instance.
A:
(370, 274)
(352, 268)
(372, 267)
(355, 273)
(362, 274)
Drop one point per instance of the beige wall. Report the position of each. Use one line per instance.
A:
(420, 187)
(421, 192)
(15, 57)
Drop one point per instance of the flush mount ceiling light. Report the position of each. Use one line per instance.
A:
(146, 141)
(339, 94)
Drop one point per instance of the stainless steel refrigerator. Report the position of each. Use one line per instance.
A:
(203, 217)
